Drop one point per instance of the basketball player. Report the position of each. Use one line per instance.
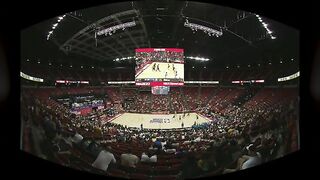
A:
(165, 76)
(168, 66)
(154, 67)
(179, 117)
(182, 125)
(158, 69)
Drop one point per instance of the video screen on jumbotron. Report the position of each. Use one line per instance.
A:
(159, 67)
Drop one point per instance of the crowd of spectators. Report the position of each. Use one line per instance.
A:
(236, 139)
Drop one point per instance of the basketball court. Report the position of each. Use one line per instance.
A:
(166, 71)
(158, 121)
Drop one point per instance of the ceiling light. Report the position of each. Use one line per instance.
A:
(116, 27)
(28, 60)
(49, 64)
(81, 67)
(56, 24)
(192, 67)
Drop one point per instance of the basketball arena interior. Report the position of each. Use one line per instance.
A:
(159, 90)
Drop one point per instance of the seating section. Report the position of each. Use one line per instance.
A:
(255, 114)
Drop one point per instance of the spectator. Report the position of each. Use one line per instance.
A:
(94, 149)
(49, 128)
(157, 144)
(77, 138)
(103, 159)
(129, 159)
(149, 157)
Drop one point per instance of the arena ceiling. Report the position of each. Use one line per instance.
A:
(160, 24)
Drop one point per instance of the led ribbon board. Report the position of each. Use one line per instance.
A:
(25, 76)
(293, 76)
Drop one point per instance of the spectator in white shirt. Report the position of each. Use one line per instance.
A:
(149, 157)
(129, 159)
(103, 160)
(77, 138)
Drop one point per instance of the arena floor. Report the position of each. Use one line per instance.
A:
(161, 121)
